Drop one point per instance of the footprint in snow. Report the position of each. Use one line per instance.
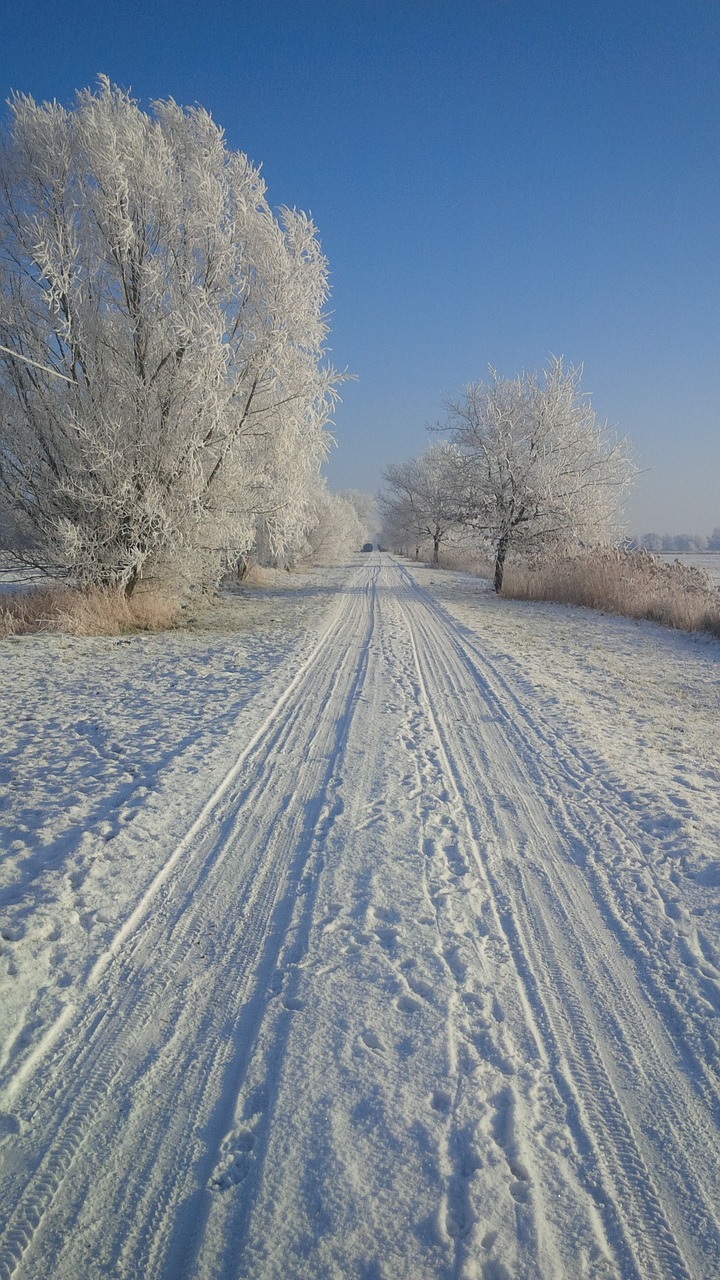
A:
(9, 1126)
(387, 936)
(236, 1165)
(520, 1192)
(329, 922)
(441, 1101)
(407, 1004)
(372, 1041)
(387, 914)
(11, 933)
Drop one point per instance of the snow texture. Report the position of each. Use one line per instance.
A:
(368, 932)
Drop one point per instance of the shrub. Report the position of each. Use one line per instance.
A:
(97, 611)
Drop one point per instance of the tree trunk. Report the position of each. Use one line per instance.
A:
(500, 554)
(436, 549)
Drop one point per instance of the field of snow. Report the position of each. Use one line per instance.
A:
(365, 929)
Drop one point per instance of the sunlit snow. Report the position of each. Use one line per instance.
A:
(366, 928)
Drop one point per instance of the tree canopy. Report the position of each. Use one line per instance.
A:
(421, 498)
(538, 469)
(526, 465)
(163, 382)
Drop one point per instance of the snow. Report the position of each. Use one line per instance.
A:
(365, 928)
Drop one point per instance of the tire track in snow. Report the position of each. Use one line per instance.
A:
(237, 1211)
(142, 1032)
(478, 1066)
(586, 1062)
(493, 1028)
(494, 1210)
(14, 1080)
(581, 829)
(681, 980)
(245, 1113)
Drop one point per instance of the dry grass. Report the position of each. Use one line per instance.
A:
(634, 584)
(98, 611)
(258, 575)
(464, 560)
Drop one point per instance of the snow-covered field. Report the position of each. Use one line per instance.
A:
(368, 930)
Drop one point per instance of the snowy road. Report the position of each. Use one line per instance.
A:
(411, 996)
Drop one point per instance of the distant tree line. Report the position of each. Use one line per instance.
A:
(680, 543)
(525, 466)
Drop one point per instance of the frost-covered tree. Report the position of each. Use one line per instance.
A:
(538, 469)
(163, 389)
(336, 526)
(326, 528)
(422, 498)
(365, 506)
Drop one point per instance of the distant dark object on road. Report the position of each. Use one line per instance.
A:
(367, 546)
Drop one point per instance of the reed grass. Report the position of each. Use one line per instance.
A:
(632, 583)
(96, 611)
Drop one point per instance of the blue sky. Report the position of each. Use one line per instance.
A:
(492, 182)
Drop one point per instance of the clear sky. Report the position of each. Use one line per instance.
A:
(493, 180)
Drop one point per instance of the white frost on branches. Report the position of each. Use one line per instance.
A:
(141, 261)
(421, 500)
(338, 524)
(537, 468)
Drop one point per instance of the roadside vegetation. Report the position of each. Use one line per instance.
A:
(635, 584)
(528, 489)
(165, 391)
(337, 526)
(93, 611)
(525, 468)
